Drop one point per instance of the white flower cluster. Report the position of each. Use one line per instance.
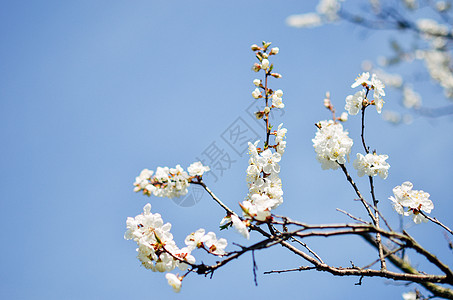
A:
(438, 62)
(354, 103)
(157, 250)
(265, 187)
(197, 169)
(326, 11)
(332, 144)
(155, 242)
(207, 241)
(431, 27)
(410, 202)
(168, 182)
(372, 165)
(277, 101)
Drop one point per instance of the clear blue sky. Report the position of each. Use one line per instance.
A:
(92, 92)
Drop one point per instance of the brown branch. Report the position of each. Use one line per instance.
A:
(302, 268)
(293, 239)
(351, 216)
(356, 189)
(344, 229)
(215, 198)
(406, 267)
(357, 229)
(434, 220)
(386, 255)
(338, 271)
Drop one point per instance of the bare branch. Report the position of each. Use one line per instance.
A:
(356, 189)
(352, 217)
(434, 220)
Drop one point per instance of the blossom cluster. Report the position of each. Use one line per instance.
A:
(409, 202)
(371, 164)
(437, 57)
(157, 250)
(354, 103)
(332, 144)
(168, 182)
(265, 186)
(207, 241)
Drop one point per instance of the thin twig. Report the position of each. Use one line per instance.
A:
(388, 254)
(434, 220)
(215, 198)
(255, 268)
(351, 216)
(303, 268)
(356, 189)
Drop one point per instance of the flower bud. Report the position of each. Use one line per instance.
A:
(255, 47)
(274, 51)
(256, 93)
(344, 117)
(257, 82)
(259, 115)
(256, 67)
(327, 103)
(276, 75)
(265, 55)
(264, 64)
(267, 110)
(266, 45)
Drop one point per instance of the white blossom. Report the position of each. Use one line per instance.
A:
(280, 134)
(332, 144)
(194, 240)
(362, 79)
(256, 93)
(257, 82)
(174, 281)
(265, 64)
(277, 99)
(413, 200)
(278, 93)
(214, 245)
(371, 165)
(240, 226)
(197, 169)
(378, 86)
(354, 102)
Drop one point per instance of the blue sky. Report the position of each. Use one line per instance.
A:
(92, 92)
